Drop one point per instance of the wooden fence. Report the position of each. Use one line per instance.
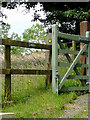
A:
(8, 71)
(72, 64)
(52, 70)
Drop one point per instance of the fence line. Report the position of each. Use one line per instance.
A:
(8, 71)
(10, 42)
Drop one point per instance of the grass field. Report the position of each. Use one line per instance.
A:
(32, 99)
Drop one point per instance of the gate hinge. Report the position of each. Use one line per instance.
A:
(87, 83)
(57, 81)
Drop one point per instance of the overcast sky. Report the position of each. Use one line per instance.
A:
(19, 20)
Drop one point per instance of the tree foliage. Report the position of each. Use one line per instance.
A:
(68, 14)
(15, 49)
(35, 34)
(5, 29)
(5, 34)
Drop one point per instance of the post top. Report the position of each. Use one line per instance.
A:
(88, 34)
(84, 21)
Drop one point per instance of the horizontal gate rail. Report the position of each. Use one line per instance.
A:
(62, 64)
(10, 42)
(76, 38)
(64, 51)
(86, 88)
(72, 66)
(80, 77)
(68, 57)
(25, 71)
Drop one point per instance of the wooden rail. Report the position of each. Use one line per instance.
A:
(10, 42)
(8, 71)
(25, 71)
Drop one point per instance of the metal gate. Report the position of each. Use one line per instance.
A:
(73, 64)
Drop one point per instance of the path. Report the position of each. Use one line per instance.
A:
(77, 110)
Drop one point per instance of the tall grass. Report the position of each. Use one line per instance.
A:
(29, 93)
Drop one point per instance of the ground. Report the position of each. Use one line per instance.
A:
(32, 92)
(79, 109)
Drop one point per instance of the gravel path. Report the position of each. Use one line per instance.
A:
(80, 107)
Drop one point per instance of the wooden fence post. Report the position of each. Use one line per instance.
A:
(84, 26)
(7, 76)
(48, 57)
(54, 57)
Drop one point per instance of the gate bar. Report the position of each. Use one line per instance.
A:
(54, 59)
(88, 58)
(72, 37)
(72, 66)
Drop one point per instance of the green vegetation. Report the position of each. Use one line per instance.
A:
(82, 114)
(30, 97)
(34, 100)
(34, 34)
(68, 14)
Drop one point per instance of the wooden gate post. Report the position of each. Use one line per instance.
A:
(54, 57)
(48, 57)
(84, 26)
(7, 76)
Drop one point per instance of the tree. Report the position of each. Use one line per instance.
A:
(4, 34)
(15, 49)
(5, 29)
(68, 14)
(34, 34)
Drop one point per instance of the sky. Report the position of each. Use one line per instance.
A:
(19, 20)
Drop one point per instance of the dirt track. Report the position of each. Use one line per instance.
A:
(77, 110)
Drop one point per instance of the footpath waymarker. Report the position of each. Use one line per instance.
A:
(49, 40)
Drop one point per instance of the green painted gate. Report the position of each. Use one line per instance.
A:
(72, 64)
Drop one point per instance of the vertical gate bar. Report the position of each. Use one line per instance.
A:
(7, 76)
(89, 63)
(88, 58)
(0, 79)
(54, 57)
(84, 26)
